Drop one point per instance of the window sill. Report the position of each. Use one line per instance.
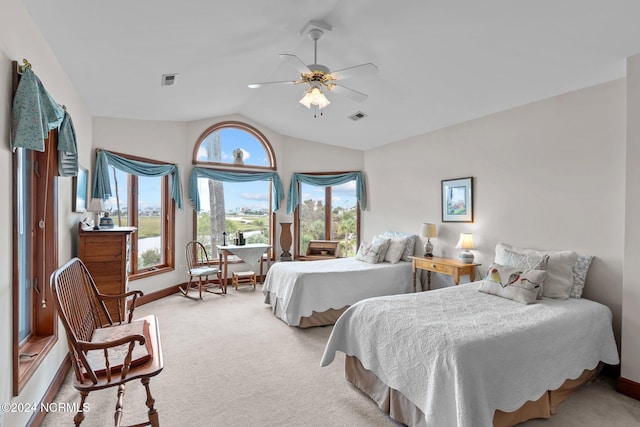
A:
(151, 272)
(33, 353)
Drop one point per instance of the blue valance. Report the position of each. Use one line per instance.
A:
(34, 114)
(326, 181)
(102, 186)
(194, 196)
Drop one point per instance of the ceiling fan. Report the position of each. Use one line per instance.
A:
(319, 77)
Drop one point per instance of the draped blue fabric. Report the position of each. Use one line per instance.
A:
(68, 158)
(34, 114)
(102, 187)
(194, 196)
(326, 181)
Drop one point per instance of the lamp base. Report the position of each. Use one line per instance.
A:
(466, 257)
(428, 249)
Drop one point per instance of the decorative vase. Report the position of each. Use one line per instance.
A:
(285, 241)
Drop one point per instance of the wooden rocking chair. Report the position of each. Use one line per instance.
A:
(105, 354)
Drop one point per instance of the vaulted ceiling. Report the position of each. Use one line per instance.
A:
(440, 62)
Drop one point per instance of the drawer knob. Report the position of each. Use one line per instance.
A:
(433, 266)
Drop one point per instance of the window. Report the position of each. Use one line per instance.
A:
(144, 203)
(228, 206)
(35, 249)
(328, 213)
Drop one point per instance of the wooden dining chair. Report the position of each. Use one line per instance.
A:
(105, 352)
(201, 269)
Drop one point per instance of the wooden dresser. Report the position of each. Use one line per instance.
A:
(106, 254)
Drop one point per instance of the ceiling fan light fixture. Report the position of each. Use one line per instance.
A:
(314, 96)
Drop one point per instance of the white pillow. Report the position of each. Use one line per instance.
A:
(559, 278)
(411, 243)
(527, 261)
(396, 249)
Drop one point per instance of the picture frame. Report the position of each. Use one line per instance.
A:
(80, 190)
(457, 200)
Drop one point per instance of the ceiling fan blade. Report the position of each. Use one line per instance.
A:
(349, 93)
(284, 82)
(296, 62)
(358, 70)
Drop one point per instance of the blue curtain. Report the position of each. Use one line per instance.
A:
(194, 196)
(34, 114)
(102, 187)
(326, 181)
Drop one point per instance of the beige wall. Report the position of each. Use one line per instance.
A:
(19, 38)
(630, 368)
(548, 175)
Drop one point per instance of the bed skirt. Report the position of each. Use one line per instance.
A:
(323, 318)
(398, 407)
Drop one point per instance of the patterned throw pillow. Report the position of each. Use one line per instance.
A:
(368, 252)
(382, 243)
(513, 283)
(580, 270)
(559, 278)
(526, 261)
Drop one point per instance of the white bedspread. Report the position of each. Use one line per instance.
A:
(302, 287)
(459, 354)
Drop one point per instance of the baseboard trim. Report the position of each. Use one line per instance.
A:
(629, 388)
(38, 417)
(154, 296)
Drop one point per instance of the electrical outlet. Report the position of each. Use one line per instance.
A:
(180, 269)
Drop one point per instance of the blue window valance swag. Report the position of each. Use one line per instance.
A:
(34, 114)
(102, 186)
(197, 172)
(326, 181)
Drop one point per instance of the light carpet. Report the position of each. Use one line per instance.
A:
(230, 362)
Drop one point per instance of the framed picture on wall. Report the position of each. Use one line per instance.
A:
(457, 200)
(80, 190)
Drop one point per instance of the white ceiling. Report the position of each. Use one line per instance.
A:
(440, 62)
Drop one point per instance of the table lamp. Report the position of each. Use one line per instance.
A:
(465, 243)
(428, 231)
(95, 206)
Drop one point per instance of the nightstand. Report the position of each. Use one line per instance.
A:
(450, 266)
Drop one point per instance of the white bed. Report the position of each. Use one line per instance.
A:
(456, 355)
(315, 293)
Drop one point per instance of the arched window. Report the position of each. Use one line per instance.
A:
(226, 205)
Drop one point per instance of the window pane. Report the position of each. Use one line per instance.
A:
(344, 217)
(312, 215)
(220, 145)
(118, 203)
(25, 267)
(149, 233)
(233, 207)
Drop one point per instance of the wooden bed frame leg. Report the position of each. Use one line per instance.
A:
(153, 414)
(80, 415)
(119, 404)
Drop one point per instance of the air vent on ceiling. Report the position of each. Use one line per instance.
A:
(168, 79)
(357, 116)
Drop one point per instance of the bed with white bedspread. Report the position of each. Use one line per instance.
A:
(300, 290)
(459, 355)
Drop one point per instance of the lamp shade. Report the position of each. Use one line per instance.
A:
(465, 242)
(428, 230)
(314, 96)
(95, 205)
